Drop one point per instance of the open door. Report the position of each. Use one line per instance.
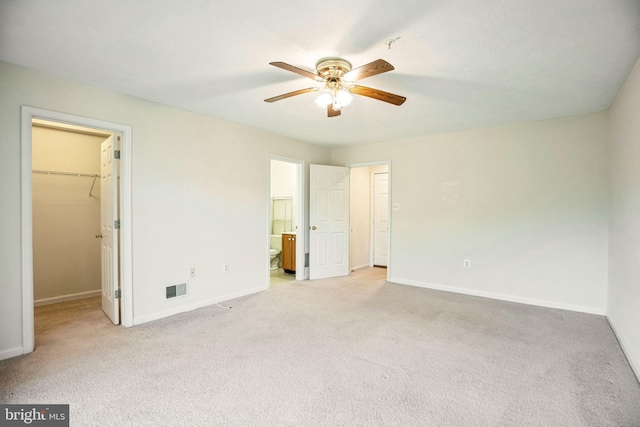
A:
(329, 221)
(108, 231)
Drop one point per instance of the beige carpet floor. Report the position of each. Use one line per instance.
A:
(278, 277)
(356, 351)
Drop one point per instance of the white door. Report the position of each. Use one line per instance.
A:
(380, 218)
(329, 221)
(109, 240)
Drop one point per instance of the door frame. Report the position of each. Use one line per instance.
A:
(388, 164)
(301, 270)
(125, 244)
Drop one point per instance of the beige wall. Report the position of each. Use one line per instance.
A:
(66, 254)
(200, 196)
(624, 246)
(527, 204)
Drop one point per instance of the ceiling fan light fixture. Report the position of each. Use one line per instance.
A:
(338, 77)
(324, 99)
(343, 97)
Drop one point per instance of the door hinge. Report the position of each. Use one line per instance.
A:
(116, 224)
(117, 293)
(116, 154)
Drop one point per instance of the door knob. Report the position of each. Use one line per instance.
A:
(99, 236)
(313, 228)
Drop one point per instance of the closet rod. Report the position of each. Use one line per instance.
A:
(87, 175)
(45, 172)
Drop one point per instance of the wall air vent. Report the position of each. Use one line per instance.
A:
(176, 290)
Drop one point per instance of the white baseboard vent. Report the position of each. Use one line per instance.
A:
(176, 290)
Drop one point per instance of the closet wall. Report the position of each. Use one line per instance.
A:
(66, 217)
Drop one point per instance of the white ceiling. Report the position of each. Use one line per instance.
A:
(462, 64)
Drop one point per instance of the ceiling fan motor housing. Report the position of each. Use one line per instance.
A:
(332, 68)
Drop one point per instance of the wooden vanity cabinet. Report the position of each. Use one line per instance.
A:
(289, 253)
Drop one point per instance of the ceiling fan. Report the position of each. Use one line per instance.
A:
(338, 78)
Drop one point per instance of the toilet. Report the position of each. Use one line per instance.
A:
(273, 256)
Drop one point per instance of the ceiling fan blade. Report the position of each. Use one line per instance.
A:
(371, 69)
(297, 70)
(378, 94)
(290, 94)
(331, 112)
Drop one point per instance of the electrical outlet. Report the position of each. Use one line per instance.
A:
(192, 272)
(225, 268)
(396, 206)
(466, 263)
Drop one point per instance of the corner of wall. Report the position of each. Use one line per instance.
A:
(626, 349)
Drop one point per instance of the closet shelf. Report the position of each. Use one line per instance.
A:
(45, 172)
(80, 174)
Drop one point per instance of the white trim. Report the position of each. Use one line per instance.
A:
(28, 334)
(126, 272)
(12, 352)
(301, 231)
(625, 349)
(69, 297)
(501, 297)
(200, 304)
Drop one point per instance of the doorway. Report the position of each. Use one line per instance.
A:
(67, 201)
(286, 220)
(348, 244)
(370, 215)
(123, 208)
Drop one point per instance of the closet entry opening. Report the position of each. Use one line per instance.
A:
(75, 201)
(370, 215)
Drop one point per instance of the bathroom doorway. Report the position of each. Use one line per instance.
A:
(286, 218)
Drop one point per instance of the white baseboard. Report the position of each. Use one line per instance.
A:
(360, 267)
(12, 352)
(634, 362)
(70, 297)
(183, 309)
(501, 297)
